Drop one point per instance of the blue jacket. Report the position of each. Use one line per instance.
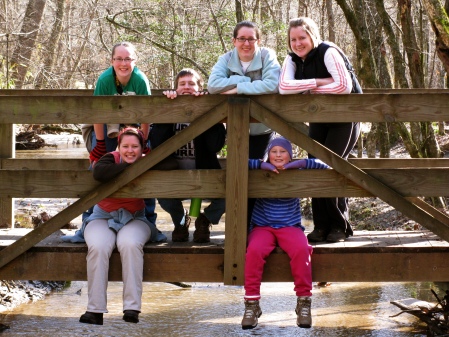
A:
(261, 77)
(116, 220)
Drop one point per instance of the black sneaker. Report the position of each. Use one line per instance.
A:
(336, 235)
(92, 318)
(131, 316)
(317, 235)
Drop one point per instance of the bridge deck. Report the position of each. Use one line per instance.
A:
(367, 256)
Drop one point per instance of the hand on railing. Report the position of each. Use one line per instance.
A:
(268, 167)
(297, 164)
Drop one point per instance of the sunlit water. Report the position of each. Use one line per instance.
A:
(342, 309)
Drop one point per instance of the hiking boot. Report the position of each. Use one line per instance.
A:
(251, 315)
(202, 229)
(336, 235)
(92, 318)
(181, 232)
(131, 316)
(303, 312)
(317, 235)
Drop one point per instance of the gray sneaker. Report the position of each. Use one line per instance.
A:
(303, 312)
(251, 315)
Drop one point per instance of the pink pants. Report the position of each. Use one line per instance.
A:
(261, 242)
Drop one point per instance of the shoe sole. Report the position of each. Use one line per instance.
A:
(304, 326)
(248, 327)
(201, 240)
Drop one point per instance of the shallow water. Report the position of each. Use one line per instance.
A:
(342, 309)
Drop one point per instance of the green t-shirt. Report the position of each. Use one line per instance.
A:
(138, 84)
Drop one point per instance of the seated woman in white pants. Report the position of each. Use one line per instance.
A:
(121, 223)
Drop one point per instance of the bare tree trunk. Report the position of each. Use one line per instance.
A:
(371, 141)
(439, 17)
(330, 20)
(238, 11)
(409, 144)
(22, 53)
(355, 18)
(410, 44)
(422, 133)
(441, 130)
(53, 41)
(399, 67)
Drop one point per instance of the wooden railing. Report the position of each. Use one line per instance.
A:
(398, 182)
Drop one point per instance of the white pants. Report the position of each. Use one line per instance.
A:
(101, 241)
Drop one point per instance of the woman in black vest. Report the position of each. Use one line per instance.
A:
(316, 67)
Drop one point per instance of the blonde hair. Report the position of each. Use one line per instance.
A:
(309, 26)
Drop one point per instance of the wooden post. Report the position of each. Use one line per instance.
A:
(236, 190)
(7, 150)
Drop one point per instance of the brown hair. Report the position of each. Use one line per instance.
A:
(131, 132)
(248, 24)
(309, 26)
(127, 45)
(189, 71)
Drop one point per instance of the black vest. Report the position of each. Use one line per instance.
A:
(313, 66)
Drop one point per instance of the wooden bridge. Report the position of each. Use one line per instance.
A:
(368, 256)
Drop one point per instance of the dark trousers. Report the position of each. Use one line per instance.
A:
(206, 147)
(333, 213)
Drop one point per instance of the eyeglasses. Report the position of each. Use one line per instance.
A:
(243, 40)
(120, 60)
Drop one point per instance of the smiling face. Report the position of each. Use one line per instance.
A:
(278, 156)
(246, 49)
(130, 148)
(123, 61)
(300, 42)
(187, 85)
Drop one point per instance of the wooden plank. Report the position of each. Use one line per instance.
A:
(344, 265)
(7, 150)
(350, 171)
(362, 163)
(197, 127)
(99, 109)
(416, 107)
(58, 92)
(236, 190)
(397, 163)
(68, 164)
(395, 256)
(211, 184)
(292, 108)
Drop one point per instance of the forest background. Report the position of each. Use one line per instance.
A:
(66, 44)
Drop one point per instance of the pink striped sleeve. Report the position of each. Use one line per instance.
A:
(336, 67)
